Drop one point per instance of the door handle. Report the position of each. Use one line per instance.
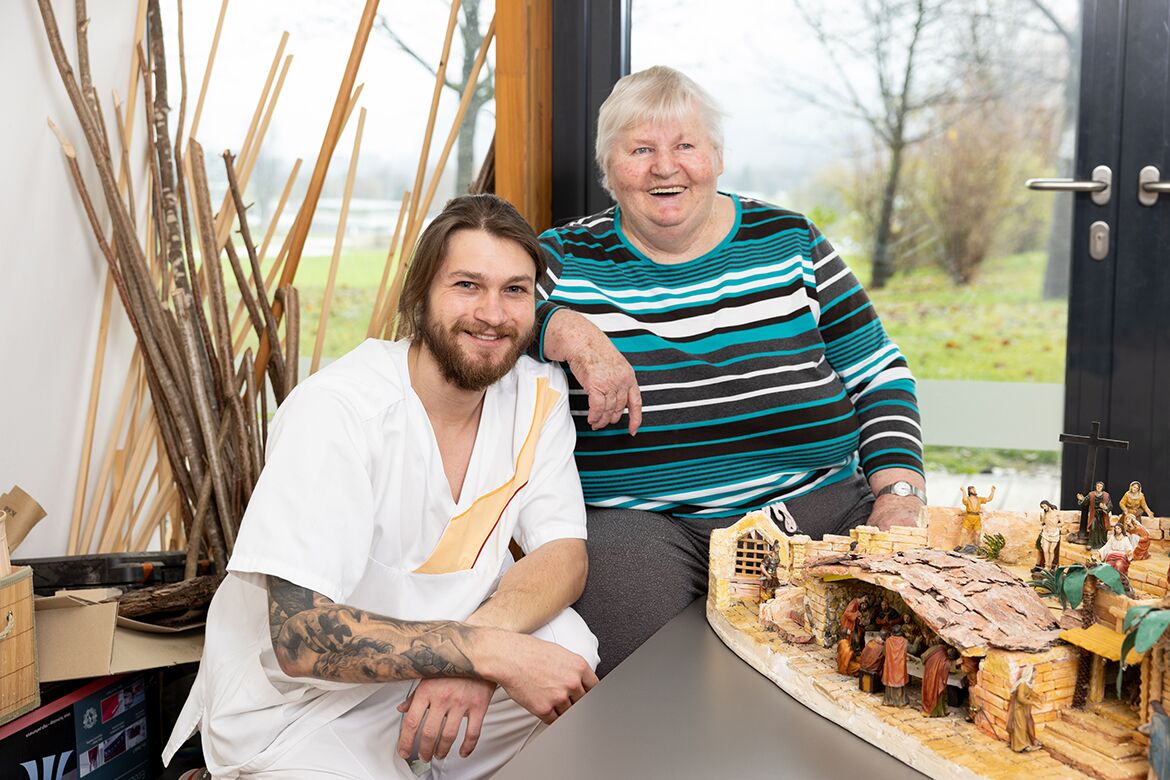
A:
(1150, 186)
(1099, 187)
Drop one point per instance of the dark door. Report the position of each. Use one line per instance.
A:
(1118, 367)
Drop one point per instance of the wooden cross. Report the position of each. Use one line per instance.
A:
(1093, 441)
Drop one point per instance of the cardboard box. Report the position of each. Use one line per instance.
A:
(104, 729)
(19, 691)
(77, 636)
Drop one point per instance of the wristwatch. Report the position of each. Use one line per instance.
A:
(903, 488)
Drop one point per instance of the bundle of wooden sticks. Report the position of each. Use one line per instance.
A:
(197, 397)
(210, 405)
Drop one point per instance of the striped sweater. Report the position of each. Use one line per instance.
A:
(764, 369)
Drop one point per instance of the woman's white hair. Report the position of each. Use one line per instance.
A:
(656, 95)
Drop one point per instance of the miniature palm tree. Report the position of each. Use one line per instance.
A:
(1075, 586)
(1145, 627)
(991, 547)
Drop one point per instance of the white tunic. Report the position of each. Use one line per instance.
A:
(1123, 545)
(353, 499)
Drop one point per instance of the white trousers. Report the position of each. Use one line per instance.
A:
(363, 744)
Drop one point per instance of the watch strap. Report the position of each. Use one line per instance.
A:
(920, 494)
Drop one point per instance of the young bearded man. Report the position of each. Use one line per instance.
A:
(372, 611)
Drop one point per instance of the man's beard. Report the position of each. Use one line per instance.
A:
(465, 372)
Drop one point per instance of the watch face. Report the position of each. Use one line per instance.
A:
(902, 489)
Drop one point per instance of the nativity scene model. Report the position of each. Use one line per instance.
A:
(998, 659)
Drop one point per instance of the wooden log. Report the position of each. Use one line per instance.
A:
(334, 262)
(175, 596)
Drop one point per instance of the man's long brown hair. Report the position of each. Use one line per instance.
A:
(489, 213)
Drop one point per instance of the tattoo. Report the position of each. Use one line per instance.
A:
(312, 635)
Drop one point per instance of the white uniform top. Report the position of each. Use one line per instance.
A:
(352, 500)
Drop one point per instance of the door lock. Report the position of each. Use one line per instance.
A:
(1099, 240)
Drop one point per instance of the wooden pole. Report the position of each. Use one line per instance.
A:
(226, 214)
(464, 103)
(250, 144)
(95, 383)
(207, 72)
(111, 447)
(424, 154)
(327, 301)
(392, 260)
(254, 152)
(292, 178)
(317, 180)
(304, 215)
(242, 333)
(126, 135)
(163, 501)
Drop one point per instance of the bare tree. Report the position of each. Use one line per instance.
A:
(471, 36)
(890, 37)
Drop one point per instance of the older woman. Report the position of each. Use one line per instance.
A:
(766, 379)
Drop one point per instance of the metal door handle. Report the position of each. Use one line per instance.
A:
(1100, 185)
(1149, 185)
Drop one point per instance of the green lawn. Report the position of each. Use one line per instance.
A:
(997, 328)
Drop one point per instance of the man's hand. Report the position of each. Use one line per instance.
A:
(602, 370)
(439, 705)
(545, 678)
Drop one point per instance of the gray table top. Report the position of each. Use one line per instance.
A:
(685, 706)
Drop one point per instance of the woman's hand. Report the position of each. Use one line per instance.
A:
(604, 373)
(890, 510)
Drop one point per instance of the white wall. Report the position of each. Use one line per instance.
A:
(51, 273)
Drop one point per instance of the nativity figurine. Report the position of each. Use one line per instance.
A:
(1133, 502)
(1095, 521)
(1021, 724)
(937, 664)
(895, 677)
(1140, 536)
(972, 529)
(1048, 541)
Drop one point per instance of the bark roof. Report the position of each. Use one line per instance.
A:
(972, 604)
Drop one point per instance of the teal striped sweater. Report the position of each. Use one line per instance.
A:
(764, 369)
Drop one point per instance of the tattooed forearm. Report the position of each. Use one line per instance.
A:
(313, 636)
